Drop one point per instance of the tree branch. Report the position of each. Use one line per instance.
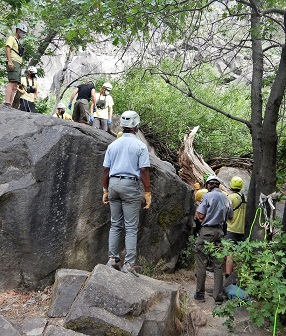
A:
(189, 93)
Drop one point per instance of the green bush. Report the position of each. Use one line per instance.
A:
(261, 269)
(187, 255)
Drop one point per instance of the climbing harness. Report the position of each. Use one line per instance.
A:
(267, 224)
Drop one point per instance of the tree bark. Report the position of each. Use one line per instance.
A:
(264, 134)
(256, 120)
(192, 165)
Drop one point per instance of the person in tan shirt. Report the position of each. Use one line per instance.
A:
(14, 52)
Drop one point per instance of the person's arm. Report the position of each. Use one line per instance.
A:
(91, 109)
(36, 93)
(93, 97)
(200, 216)
(105, 183)
(8, 56)
(230, 207)
(145, 178)
(110, 112)
(72, 97)
(21, 89)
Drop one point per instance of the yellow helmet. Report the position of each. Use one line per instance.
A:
(196, 186)
(236, 183)
(200, 193)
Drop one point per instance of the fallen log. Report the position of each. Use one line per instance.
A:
(192, 165)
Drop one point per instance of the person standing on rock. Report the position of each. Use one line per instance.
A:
(14, 52)
(126, 162)
(104, 108)
(213, 211)
(85, 92)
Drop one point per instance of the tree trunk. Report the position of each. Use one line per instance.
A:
(256, 120)
(62, 78)
(264, 135)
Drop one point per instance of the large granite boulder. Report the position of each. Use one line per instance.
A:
(114, 303)
(52, 215)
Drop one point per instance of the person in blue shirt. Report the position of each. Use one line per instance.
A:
(126, 162)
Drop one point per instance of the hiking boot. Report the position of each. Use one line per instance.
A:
(114, 263)
(218, 302)
(127, 268)
(199, 297)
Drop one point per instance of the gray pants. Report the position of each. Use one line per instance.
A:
(213, 235)
(125, 198)
(100, 123)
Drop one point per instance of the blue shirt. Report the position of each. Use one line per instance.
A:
(126, 155)
(216, 207)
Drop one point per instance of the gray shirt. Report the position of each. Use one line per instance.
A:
(126, 155)
(216, 207)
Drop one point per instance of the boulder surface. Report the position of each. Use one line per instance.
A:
(52, 215)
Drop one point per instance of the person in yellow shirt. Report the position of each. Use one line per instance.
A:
(235, 226)
(103, 111)
(14, 52)
(29, 90)
(61, 112)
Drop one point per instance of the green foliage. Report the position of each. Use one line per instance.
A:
(42, 106)
(171, 115)
(261, 268)
(150, 268)
(16, 4)
(187, 255)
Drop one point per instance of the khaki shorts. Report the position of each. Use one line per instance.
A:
(15, 74)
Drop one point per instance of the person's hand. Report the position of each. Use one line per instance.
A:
(105, 197)
(94, 108)
(148, 198)
(69, 106)
(10, 65)
(109, 122)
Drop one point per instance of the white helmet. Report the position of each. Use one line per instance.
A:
(212, 178)
(107, 86)
(61, 105)
(129, 119)
(32, 69)
(22, 27)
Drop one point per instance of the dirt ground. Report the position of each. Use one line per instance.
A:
(17, 306)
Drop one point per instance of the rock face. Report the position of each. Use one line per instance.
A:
(51, 211)
(114, 303)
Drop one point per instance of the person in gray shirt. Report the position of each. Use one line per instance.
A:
(213, 211)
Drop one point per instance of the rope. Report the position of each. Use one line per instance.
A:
(275, 316)
(268, 223)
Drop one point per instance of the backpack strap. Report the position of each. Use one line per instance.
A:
(19, 47)
(28, 82)
(242, 200)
